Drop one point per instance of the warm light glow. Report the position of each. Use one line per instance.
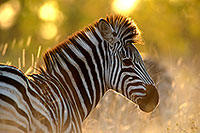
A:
(48, 30)
(124, 6)
(49, 11)
(8, 12)
(6, 16)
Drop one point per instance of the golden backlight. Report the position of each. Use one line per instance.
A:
(48, 11)
(8, 13)
(124, 6)
(48, 30)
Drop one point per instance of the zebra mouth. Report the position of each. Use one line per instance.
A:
(149, 102)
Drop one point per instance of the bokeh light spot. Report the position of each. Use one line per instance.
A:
(48, 30)
(49, 11)
(124, 6)
(8, 13)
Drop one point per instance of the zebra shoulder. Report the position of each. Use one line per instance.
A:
(11, 71)
(11, 75)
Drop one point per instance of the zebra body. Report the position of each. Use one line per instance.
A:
(74, 77)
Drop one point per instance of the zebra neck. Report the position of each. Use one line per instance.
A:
(79, 66)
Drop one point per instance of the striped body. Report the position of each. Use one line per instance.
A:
(74, 77)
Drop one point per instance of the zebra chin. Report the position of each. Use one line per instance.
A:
(149, 102)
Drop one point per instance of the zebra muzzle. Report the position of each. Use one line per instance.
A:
(149, 102)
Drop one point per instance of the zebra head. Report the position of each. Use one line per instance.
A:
(126, 72)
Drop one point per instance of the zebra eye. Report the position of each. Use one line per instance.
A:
(127, 62)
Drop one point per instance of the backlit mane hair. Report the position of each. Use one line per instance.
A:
(123, 26)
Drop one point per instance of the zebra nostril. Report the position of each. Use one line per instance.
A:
(150, 101)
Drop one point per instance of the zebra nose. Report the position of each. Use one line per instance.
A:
(150, 101)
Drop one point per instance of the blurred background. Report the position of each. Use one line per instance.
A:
(171, 36)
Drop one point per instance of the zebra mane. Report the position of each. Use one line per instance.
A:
(123, 26)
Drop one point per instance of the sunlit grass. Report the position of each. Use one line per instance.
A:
(4, 49)
(124, 6)
(17, 53)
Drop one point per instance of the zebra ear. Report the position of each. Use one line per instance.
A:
(106, 30)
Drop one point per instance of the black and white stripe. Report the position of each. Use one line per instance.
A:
(74, 77)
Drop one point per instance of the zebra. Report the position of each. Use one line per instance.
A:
(74, 76)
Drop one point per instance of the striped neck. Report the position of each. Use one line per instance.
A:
(80, 63)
